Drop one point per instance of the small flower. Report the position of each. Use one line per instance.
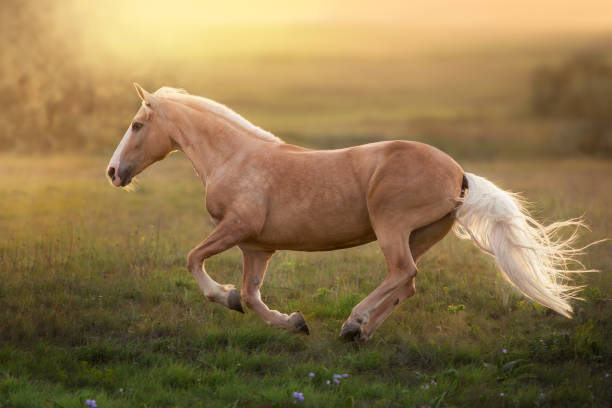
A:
(607, 375)
(120, 389)
(91, 403)
(504, 351)
(345, 375)
(311, 374)
(501, 394)
(337, 381)
(327, 382)
(199, 379)
(298, 395)
(337, 376)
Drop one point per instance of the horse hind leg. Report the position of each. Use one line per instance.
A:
(401, 270)
(421, 241)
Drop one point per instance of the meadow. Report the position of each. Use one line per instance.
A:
(95, 298)
(96, 303)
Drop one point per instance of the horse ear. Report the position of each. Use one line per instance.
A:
(143, 94)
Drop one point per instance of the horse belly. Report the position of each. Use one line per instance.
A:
(316, 228)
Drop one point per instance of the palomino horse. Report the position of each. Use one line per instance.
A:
(264, 195)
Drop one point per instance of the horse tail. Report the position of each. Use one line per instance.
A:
(533, 257)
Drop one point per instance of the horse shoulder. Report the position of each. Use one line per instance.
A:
(238, 198)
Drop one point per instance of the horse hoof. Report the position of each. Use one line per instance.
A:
(233, 301)
(351, 331)
(298, 324)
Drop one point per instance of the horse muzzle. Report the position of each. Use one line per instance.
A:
(120, 176)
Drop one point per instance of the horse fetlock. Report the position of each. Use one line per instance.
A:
(361, 318)
(219, 295)
(228, 298)
(213, 297)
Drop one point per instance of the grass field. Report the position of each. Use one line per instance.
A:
(96, 303)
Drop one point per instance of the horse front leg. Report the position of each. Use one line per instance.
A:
(227, 234)
(255, 264)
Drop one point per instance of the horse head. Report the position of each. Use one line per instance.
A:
(146, 141)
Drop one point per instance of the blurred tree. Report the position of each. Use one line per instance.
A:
(44, 93)
(579, 90)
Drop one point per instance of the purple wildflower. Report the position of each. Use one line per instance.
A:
(337, 376)
(607, 375)
(311, 374)
(298, 395)
(337, 381)
(501, 394)
(120, 389)
(327, 382)
(91, 403)
(345, 375)
(504, 351)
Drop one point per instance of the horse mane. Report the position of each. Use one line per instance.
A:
(216, 108)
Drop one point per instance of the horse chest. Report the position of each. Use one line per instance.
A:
(215, 207)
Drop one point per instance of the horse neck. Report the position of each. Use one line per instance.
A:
(208, 140)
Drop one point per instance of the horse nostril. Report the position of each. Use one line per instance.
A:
(111, 173)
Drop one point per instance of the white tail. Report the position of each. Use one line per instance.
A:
(531, 256)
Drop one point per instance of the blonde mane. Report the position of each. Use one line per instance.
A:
(216, 108)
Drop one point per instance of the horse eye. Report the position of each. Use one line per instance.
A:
(136, 125)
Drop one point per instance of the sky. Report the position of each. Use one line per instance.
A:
(190, 27)
(544, 14)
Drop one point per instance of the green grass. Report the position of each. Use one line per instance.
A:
(96, 303)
